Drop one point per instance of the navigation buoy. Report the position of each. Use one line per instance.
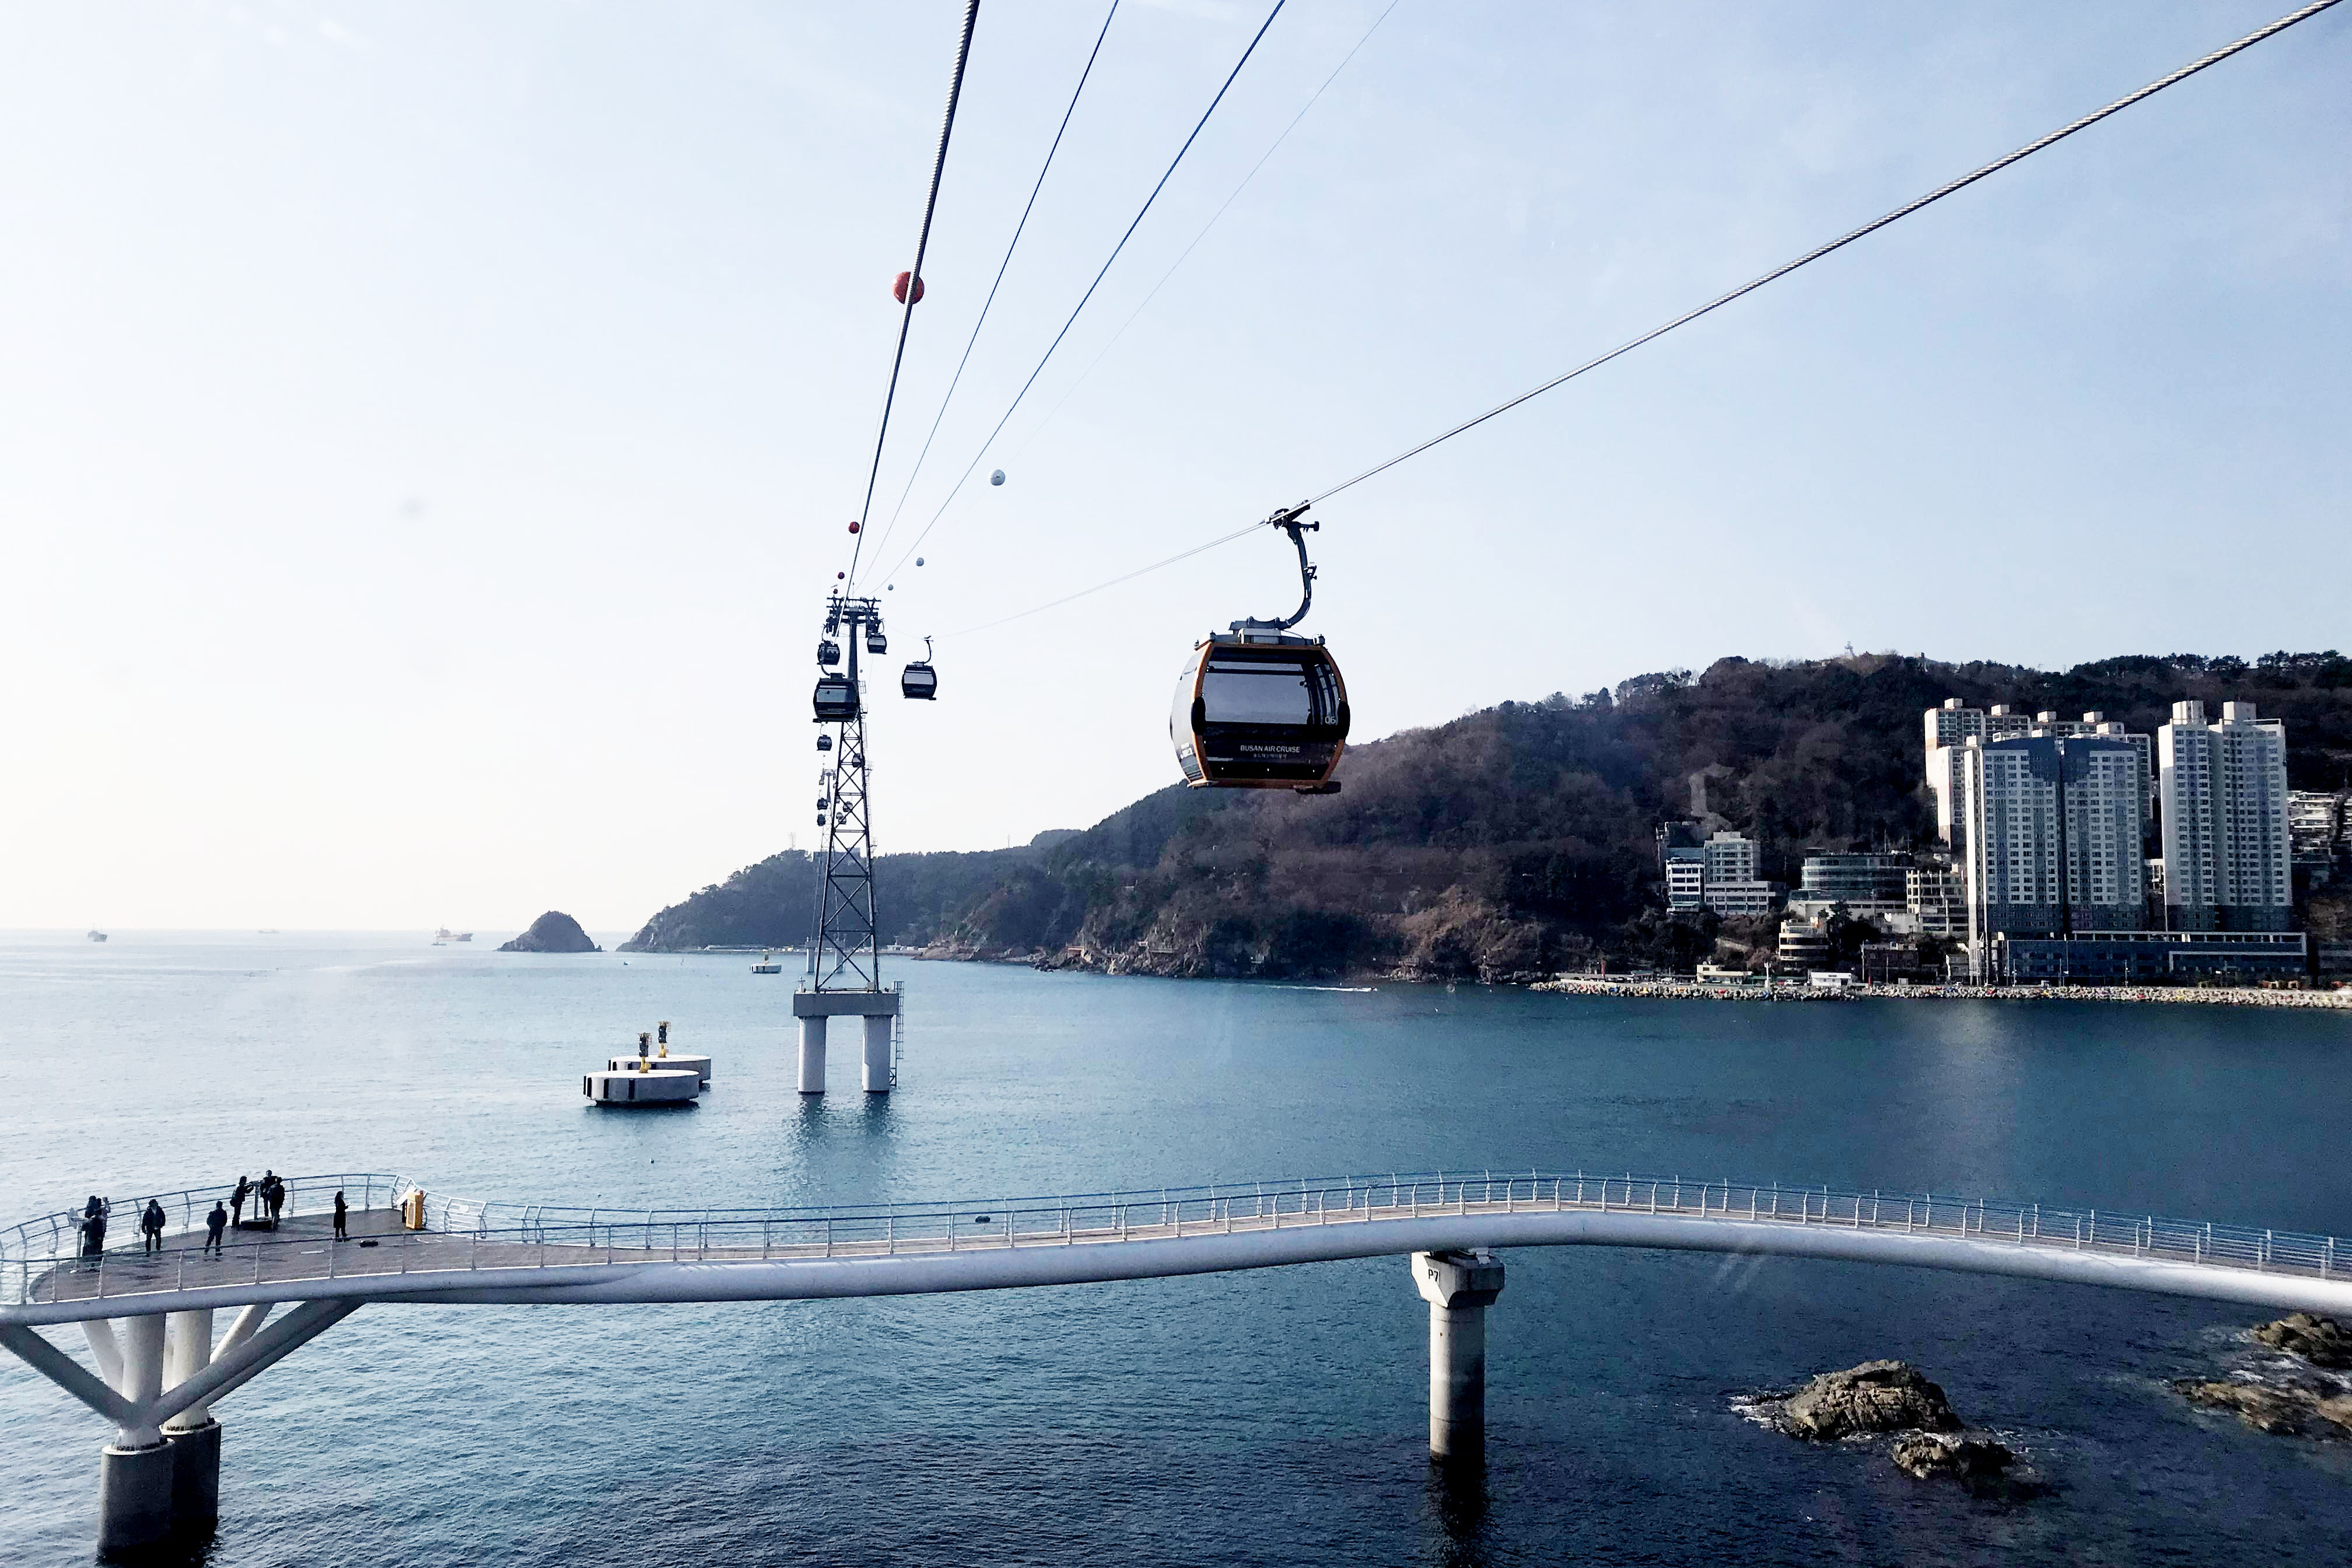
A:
(997, 477)
(899, 289)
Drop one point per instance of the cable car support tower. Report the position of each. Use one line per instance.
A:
(844, 976)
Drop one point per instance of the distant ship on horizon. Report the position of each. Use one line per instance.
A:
(95, 935)
(445, 934)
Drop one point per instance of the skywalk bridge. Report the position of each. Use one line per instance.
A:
(147, 1315)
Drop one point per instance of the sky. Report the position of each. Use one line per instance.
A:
(428, 431)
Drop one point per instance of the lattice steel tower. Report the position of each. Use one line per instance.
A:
(844, 978)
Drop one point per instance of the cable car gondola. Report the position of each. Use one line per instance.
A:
(919, 678)
(874, 641)
(837, 699)
(828, 652)
(1256, 708)
(824, 742)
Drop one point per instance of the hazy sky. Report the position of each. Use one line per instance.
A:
(427, 430)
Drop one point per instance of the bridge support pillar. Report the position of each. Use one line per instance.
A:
(134, 1471)
(1459, 1287)
(813, 1055)
(878, 1054)
(193, 1435)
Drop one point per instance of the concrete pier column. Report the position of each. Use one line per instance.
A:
(812, 1053)
(1459, 1287)
(134, 1497)
(877, 1007)
(193, 1435)
(135, 1470)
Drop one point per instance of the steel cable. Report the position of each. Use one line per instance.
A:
(982, 452)
(957, 379)
(915, 277)
(2201, 63)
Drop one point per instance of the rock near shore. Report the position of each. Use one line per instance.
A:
(1877, 1396)
(2282, 1411)
(1956, 1458)
(2322, 1342)
(553, 931)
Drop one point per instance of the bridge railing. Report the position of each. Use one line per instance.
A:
(50, 1237)
(465, 1235)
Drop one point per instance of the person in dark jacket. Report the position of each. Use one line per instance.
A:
(152, 1221)
(342, 1208)
(215, 1223)
(238, 1195)
(273, 1193)
(93, 1230)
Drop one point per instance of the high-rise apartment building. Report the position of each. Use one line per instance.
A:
(2226, 857)
(1949, 728)
(2053, 830)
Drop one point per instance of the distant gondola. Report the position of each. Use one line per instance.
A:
(919, 678)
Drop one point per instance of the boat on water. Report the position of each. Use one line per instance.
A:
(95, 935)
(445, 934)
(767, 965)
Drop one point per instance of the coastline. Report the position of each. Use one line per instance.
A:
(2210, 997)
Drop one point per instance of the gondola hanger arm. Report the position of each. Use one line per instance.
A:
(1288, 520)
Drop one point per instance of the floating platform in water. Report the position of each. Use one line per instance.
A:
(661, 1086)
(699, 1065)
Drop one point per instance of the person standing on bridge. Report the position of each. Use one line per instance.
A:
(215, 1223)
(273, 1194)
(238, 1195)
(150, 1227)
(93, 1227)
(341, 1209)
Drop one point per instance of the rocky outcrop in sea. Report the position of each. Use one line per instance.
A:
(2291, 1394)
(1883, 1398)
(553, 931)
(1877, 1396)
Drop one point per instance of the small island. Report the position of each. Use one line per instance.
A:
(553, 931)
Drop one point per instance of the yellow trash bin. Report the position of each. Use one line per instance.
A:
(412, 1210)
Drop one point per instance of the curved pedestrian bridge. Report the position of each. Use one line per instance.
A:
(486, 1252)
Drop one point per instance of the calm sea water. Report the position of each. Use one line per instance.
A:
(1277, 1417)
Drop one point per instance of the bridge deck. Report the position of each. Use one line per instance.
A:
(552, 1252)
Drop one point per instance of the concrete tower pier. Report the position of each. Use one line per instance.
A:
(812, 1053)
(879, 1008)
(1459, 1287)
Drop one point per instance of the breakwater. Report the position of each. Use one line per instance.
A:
(1687, 990)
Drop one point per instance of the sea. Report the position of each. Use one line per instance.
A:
(1273, 1417)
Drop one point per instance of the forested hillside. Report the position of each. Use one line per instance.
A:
(1512, 840)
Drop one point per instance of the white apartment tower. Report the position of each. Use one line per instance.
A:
(1949, 728)
(2227, 859)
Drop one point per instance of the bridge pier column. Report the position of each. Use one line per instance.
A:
(193, 1435)
(878, 1054)
(134, 1471)
(812, 1053)
(1459, 1287)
